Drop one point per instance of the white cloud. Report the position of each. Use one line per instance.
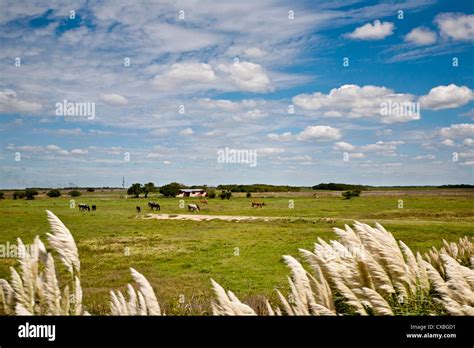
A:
(79, 152)
(69, 132)
(446, 97)
(457, 26)
(343, 146)
(187, 131)
(468, 142)
(166, 162)
(421, 36)
(422, 157)
(372, 31)
(354, 101)
(448, 142)
(280, 137)
(319, 133)
(114, 99)
(247, 76)
(457, 130)
(9, 102)
(192, 72)
(268, 151)
(254, 52)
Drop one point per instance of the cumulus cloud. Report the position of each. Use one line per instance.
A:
(353, 101)
(9, 102)
(344, 146)
(187, 131)
(448, 142)
(461, 130)
(446, 97)
(247, 76)
(457, 26)
(372, 31)
(280, 137)
(468, 142)
(319, 133)
(114, 99)
(421, 36)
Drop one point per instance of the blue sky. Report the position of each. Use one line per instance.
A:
(209, 75)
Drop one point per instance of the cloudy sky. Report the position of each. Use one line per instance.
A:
(344, 91)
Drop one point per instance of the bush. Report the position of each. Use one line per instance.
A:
(212, 194)
(225, 195)
(2, 195)
(54, 193)
(350, 194)
(249, 195)
(19, 194)
(90, 189)
(75, 193)
(30, 193)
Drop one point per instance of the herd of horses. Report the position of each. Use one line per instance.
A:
(155, 206)
(86, 207)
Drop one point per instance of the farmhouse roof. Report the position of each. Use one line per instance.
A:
(191, 190)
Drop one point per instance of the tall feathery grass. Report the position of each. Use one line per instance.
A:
(365, 272)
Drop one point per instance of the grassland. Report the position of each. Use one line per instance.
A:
(179, 257)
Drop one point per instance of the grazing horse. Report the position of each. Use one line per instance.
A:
(138, 209)
(204, 201)
(154, 205)
(193, 207)
(84, 207)
(94, 208)
(258, 204)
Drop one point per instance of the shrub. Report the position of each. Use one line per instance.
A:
(30, 193)
(54, 193)
(90, 189)
(225, 195)
(2, 195)
(74, 193)
(212, 194)
(248, 195)
(350, 194)
(19, 194)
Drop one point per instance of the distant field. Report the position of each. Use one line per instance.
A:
(179, 257)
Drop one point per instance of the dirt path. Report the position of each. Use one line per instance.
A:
(196, 217)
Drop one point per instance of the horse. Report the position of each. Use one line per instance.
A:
(84, 207)
(138, 209)
(193, 207)
(204, 201)
(94, 208)
(258, 204)
(154, 205)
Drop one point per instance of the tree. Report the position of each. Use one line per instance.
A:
(54, 193)
(74, 193)
(211, 194)
(249, 195)
(30, 193)
(90, 189)
(149, 188)
(2, 195)
(135, 190)
(171, 190)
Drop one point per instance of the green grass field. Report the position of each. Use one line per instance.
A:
(180, 257)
